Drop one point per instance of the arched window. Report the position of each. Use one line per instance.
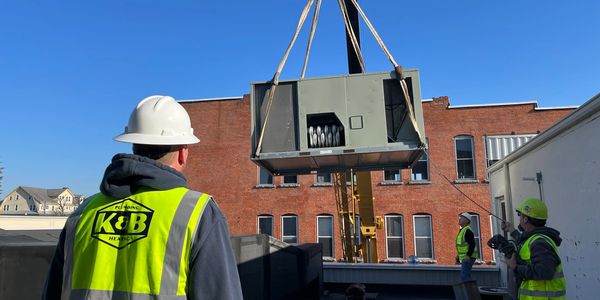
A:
(423, 236)
(325, 234)
(475, 226)
(265, 224)
(289, 229)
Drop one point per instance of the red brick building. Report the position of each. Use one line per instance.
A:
(421, 210)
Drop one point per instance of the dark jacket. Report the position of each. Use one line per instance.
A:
(544, 259)
(213, 269)
(470, 238)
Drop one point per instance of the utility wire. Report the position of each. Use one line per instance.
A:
(463, 193)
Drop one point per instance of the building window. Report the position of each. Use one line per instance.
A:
(498, 147)
(17, 207)
(350, 177)
(394, 237)
(323, 178)
(290, 180)
(289, 229)
(492, 234)
(475, 227)
(465, 163)
(325, 234)
(392, 175)
(265, 225)
(264, 177)
(423, 236)
(420, 171)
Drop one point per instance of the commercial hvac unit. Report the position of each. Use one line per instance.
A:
(332, 124)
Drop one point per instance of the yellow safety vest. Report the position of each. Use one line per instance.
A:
(132, 248)
(554, 288)
(462, 247)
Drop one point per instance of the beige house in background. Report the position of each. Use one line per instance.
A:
(36, 201)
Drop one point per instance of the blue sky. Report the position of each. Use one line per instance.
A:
(71, 71)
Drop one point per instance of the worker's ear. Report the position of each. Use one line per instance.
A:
(182, 155)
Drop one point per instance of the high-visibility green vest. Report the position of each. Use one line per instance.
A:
(554, 288)
(132, 248)
(462, 247)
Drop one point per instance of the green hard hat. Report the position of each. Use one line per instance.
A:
(533, 208)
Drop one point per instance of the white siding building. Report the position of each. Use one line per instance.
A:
(36, 201)
(562, 167)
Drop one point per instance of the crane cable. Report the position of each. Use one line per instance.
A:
(275, 80)
(313, 28)
(355, 45)
(463, 193)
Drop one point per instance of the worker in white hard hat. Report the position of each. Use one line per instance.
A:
(466, 247)
(146, 235)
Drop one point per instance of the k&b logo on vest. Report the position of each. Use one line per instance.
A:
(122, 223)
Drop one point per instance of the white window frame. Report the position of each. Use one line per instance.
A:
(412, 178)
(259, 183)
(416, 237)
(324, 236)
(492, 234)
(401, 237)
(283, 228)
(398, 179)
(290, 184)
(264, 217)
(323, 183)
(464, 137)
(477, 238)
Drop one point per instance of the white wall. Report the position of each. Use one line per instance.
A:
(570, 166)
(32, 222)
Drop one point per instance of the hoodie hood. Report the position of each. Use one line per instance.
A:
(127, 173)
(547, 231)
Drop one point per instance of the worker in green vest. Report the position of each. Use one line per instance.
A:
(536, 265)
(146, 235)
(465, 246)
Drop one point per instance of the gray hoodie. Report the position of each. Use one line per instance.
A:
(213, 269)
(544, 259)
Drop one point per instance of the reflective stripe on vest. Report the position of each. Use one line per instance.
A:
(462, 247)
(132, 248)
(554, 288)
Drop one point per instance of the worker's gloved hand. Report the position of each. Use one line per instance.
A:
(466, 260)
(511, 262)
(456, 260)
(507, 226)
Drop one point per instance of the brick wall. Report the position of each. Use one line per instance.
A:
(220, 165)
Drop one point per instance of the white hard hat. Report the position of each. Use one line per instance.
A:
(466, 215)
(159, 120)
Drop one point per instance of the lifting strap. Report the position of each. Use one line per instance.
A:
(355, 45)
(275, 80)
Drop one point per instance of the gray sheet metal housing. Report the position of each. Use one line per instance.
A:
(331, 124)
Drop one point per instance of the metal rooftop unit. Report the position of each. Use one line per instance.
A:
(332, 124)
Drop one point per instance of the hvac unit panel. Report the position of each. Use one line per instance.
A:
(332, 124)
